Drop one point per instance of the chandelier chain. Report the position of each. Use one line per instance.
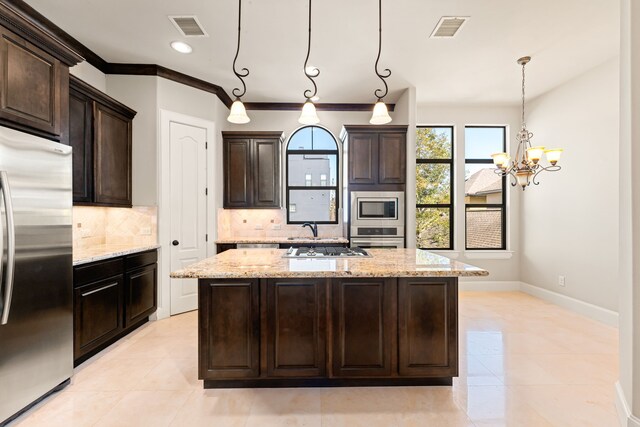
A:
(523, 88)
(244, 72)
(315, 72)
(379, 93)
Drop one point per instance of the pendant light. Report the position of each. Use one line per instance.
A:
(527, 165)
(380, 113)
(309, 115)
(238, 113)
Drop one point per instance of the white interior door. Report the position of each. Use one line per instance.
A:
(188, 209)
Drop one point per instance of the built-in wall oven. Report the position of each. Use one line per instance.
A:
(377, 219)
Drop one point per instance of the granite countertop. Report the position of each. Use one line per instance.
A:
(100, 252)
(283, 240)
(268, 263)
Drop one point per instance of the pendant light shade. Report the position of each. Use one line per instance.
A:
(380, 114)
(309, 115)
(238, 114)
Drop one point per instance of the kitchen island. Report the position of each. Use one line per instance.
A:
(269, 321)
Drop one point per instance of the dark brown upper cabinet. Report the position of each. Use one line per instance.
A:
(252, 169)
(377, 155)
(100, 134)
(34, 75)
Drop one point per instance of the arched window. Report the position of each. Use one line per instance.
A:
(312, 176)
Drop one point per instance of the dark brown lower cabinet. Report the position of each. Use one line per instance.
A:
(318, 331)
(427, 327)
(363, 318)
(296, 318)
(229, 329)
(111, 299)
(97, 314)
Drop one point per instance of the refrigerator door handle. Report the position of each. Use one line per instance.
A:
(11, 247)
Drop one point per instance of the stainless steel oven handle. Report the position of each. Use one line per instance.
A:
(11, 247)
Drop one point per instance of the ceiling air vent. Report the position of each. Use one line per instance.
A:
(188, 25)
(448, 26)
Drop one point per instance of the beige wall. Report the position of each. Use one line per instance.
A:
(628, 394)
(565, 231)
(91, 75)
(95, 226)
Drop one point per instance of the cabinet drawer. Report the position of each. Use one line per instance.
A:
(97, 270)
(141, 259)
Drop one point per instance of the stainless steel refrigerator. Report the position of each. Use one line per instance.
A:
(36, 307)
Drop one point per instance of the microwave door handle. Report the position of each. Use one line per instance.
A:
(11, 247)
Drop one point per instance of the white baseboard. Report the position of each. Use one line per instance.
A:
(488, 286)
(627, 419)
(594, 312)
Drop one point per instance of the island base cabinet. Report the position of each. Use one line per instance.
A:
(316, 332)
(427, 327)
(296, 318)
(229, 329)
(363, 325)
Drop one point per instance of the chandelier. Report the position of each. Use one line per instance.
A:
(526, 166)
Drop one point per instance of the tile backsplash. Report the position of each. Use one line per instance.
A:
(266, 223)
(93, 226)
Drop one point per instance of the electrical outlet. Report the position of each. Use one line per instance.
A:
(258, 227)
(276, 227)
(85, 232)
(561, 281)
(145, 231)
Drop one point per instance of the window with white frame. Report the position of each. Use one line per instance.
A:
(484, 190)
(434, 187)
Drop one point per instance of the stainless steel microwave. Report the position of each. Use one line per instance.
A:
(377, 210)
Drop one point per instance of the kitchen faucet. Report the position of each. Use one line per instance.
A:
(313, 227)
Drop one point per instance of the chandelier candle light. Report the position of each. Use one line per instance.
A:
(238, 113)
(380, 113)
(526, 166)
(309, 115)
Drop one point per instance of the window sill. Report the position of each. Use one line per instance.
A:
(488, 254)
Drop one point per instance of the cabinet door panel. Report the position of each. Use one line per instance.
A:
(363, 323)
(237, 173)
(266, 180)
(140, 294)
(112, 135)
(31, 85)
(296, 328)
(80, 139)
(427, 324)
(392, 158)
(230, 329)
(363, 158)
(97, 314)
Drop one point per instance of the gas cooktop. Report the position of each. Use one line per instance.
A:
(326, 252)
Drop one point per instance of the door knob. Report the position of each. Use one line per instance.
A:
(175, 243)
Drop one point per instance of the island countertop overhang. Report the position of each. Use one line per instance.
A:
(269, 263)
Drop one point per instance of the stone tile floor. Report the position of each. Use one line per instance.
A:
(523, 362)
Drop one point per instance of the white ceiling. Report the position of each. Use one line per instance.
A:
(564, 37)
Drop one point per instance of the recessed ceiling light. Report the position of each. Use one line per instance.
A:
(181, 47)
(315, 98)
(311, 69)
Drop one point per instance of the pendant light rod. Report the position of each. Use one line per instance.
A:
(316, 72)
(379, 93)
(244, 72)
